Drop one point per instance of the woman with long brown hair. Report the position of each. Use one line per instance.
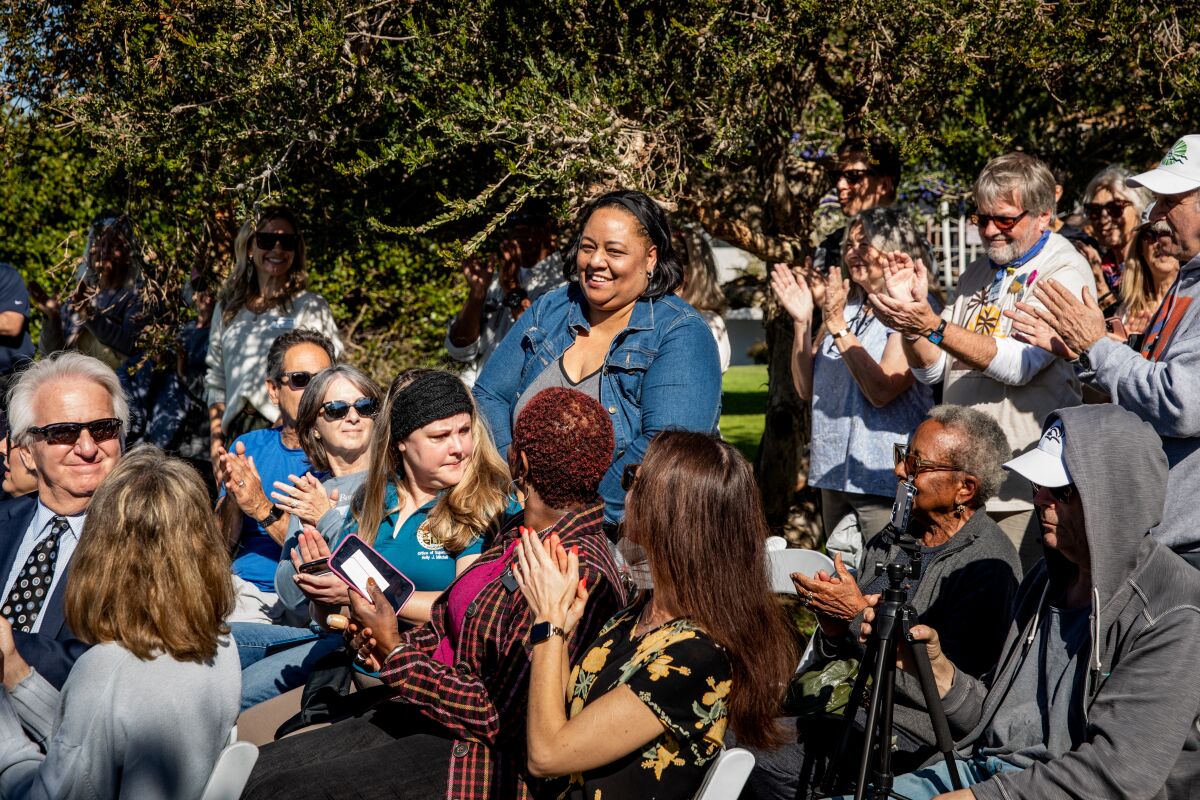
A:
(646, 709)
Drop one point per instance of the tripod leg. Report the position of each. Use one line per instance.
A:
(882, 779)
(937, 715)
(865, 668)
(870, 734)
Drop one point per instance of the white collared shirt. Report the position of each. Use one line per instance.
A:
(37, 531)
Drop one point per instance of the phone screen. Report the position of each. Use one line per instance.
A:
(355, 562)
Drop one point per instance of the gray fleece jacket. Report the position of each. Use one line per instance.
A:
(1141, 699)
(1165, 393)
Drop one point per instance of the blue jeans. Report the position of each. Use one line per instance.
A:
(277, 658)
(928, 783)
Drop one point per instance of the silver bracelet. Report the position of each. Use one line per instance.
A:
(392, 652)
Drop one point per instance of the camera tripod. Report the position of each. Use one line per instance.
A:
(894, 617)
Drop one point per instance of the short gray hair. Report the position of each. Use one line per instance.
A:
(890, 229)
(62, 366)
(1115, 178)
(1016, 176)
(979, 449)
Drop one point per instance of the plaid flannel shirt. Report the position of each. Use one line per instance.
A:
(482, 699)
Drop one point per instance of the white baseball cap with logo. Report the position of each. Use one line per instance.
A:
(1044, 464)
(1178, 172)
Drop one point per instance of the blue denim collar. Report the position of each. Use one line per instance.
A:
(642, 318)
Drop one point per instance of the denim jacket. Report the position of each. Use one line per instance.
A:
(661, 372)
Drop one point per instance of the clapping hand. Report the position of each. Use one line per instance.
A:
(1063, 325)
(835, 599)
(478, 272)
(305, 497)
(833, 304)
(904, 307)
(794, 295)
(242, 481)
(906, 280)
(548, 575)
(373, 623)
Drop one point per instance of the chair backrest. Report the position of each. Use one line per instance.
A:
(784, 562)
(727, 775)
(231, 771)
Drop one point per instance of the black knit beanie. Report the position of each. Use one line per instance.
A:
(430, 397)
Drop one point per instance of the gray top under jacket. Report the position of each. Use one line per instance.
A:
(120, 728)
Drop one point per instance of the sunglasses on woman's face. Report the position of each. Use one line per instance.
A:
(267, 241)
(1003, 224)
(101, 430)
(366, 407)
(629, 476)
(914, 465)
(1114, 208)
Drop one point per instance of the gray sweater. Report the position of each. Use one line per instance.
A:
(1140, 700)
(1165, 393)
(120, 727)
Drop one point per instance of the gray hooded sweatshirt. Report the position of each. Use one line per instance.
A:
(1140, 698)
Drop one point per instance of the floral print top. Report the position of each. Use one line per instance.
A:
(682, 676)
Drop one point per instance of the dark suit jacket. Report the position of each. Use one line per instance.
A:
(53, 650)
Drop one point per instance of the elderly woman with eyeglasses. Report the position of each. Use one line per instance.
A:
(968, 576)
(854, 371)
(1114, 210)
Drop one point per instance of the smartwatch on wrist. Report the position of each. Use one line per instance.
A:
(936, 336)
(542, 631)
(272, 516)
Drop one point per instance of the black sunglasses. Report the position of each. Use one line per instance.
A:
(1062, 494)
(101, 430)
(1003, 224)
(297, 380)
(338, 409)
(851, 176)
(1114, 208)
(267, 241)
(629, 476)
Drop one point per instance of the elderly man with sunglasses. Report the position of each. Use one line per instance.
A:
(1160, 381)
(67, 415)
(256, 461)
(969, 348)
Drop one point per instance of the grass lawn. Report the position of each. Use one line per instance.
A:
(743, 401)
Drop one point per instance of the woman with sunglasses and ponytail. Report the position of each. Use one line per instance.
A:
(264, 296)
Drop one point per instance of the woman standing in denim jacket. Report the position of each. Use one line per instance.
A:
(615, 332)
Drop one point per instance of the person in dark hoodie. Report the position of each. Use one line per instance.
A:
(1095, 692)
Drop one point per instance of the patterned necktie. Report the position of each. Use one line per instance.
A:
(32, 586)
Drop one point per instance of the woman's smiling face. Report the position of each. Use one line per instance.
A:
(615, 259)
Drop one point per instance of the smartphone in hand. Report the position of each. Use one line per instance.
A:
(318, 566)
(355, 561)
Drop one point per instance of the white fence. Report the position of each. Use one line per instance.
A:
(955, 243)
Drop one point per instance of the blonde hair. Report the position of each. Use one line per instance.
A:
(1137, 283)
(242, 284)
(151, 571)
(463, 513)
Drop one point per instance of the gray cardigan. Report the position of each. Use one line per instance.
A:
(965, 594)
(120, 727)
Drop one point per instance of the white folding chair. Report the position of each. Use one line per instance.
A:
(231, 771)
(727, 775)
(784, 562)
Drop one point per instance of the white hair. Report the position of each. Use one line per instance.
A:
(1115, 179)
(63, 366)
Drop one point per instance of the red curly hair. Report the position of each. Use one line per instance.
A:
(567, 438)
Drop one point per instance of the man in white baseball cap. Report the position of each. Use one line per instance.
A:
(1161, 381)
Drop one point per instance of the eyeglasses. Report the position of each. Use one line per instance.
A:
(267, 241)
(914, 465)
(1114, 208)
(297, 380)
(852, 177)
(101, 430)
(1062, 494)
(1003, 224)
(629, 476)
(338, 409)
(1151, 235)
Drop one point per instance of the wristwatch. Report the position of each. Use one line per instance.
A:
(542, 631)
(272, 516)
(1082, 361)
(936, 336)
(843, 332)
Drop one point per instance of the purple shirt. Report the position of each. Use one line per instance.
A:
(462, 595)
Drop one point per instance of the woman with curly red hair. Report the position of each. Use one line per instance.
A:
(458, 684)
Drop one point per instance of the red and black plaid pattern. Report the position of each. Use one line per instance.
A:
(482, 699)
